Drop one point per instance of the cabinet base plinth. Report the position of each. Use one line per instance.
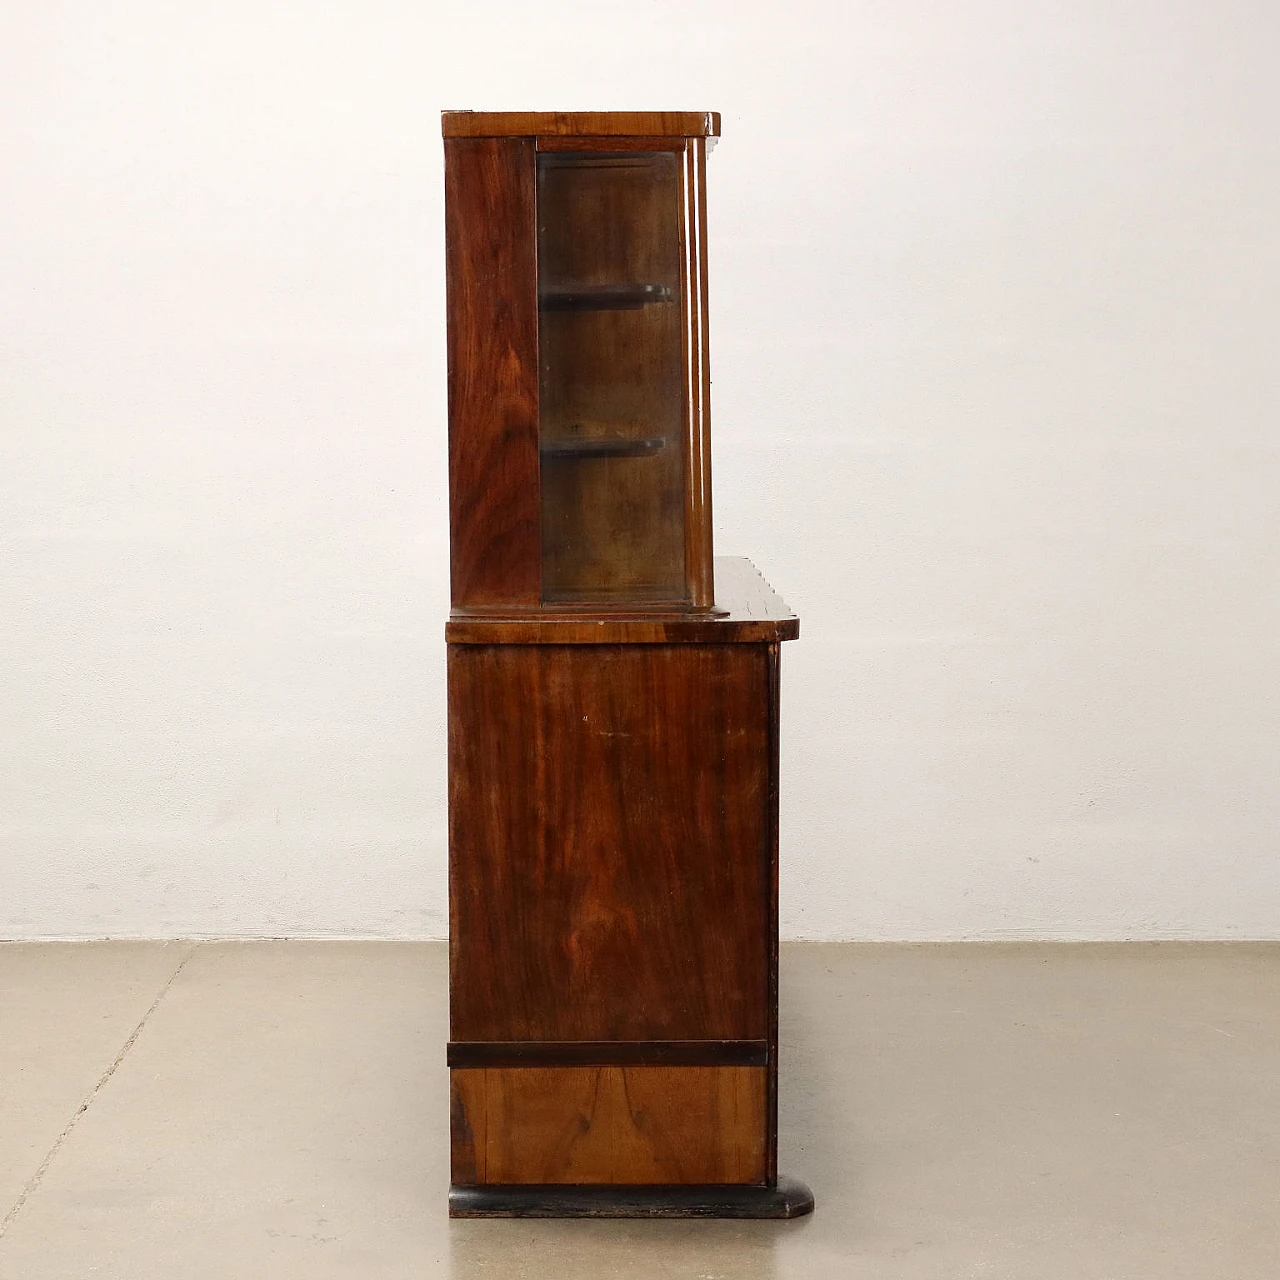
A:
(789, 1199)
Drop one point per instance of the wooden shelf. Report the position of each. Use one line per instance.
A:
(609, 447)
(602, 297)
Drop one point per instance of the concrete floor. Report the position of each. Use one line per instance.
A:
(278, 1110)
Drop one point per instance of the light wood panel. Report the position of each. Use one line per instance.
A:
(613, 1125)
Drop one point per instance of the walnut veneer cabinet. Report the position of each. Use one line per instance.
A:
(613, 695)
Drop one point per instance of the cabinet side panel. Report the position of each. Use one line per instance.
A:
(609, 842)
(493, 371)
(609, 1125)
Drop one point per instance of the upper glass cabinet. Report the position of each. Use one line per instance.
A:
(579, 425)
(611, 406)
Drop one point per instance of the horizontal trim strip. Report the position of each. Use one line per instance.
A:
(787, 1199)
(608, 1053)
(618, 142)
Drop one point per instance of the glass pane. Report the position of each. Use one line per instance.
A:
(611, 387)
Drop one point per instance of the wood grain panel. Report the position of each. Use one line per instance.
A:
(528, 124)
(609, 842)
(494, 506)
(618, 1125)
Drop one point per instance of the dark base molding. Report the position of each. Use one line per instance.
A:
(789, 1199)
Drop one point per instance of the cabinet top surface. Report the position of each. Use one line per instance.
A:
(749, 611)
(587, 124)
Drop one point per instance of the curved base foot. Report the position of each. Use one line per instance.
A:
(789, 1199)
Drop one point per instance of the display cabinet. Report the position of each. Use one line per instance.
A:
(613, 694)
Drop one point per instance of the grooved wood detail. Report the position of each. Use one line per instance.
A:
(608, 1125)
(609, 851)
(494, 505)
(748, 611)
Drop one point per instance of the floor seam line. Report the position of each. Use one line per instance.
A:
(34, 1181)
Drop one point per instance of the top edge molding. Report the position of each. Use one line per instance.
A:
(588, 124)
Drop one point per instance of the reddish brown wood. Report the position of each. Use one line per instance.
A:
(773, 697)
(614, 1125)
(609, 841)
(527, 529)
(752, 614)
(528, 124)
(613, 701)
(494, 510)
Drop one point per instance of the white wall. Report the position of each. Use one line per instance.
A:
(996, 296)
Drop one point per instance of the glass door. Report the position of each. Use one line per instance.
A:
(611, 373)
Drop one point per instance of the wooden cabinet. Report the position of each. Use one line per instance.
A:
(578, 426)
(613, 695)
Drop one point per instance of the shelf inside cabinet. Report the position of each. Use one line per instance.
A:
(602, 297)
(602, 447)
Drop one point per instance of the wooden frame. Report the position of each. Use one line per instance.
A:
(493, 334)
(613, 761)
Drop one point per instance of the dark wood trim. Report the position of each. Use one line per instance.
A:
(788, 1198)
(608, 1053)
(618, 631)
(575, 142)
(771, 912)
(532, 124)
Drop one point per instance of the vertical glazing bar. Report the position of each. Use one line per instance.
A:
(698, 550)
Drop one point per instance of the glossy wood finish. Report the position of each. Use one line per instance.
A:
(615, 1125)
(753, 613)
(609, 848)
(697, 369)
(591, 344)
(529, 124)
(773, 676)
(608, 1053)
(613, 695)
(787, 1198)
(494, 506)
